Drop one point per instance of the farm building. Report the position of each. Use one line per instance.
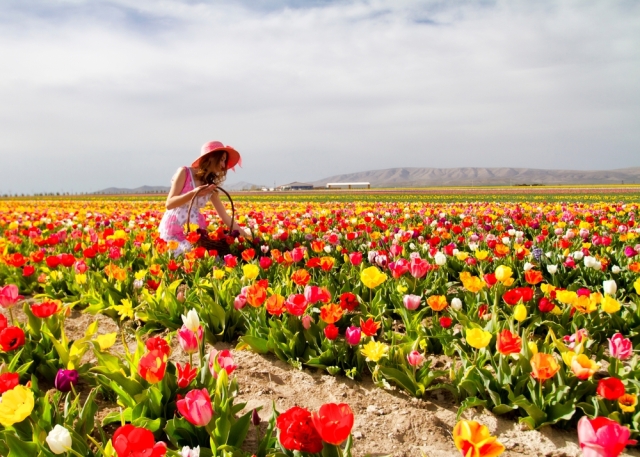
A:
(296, 186)
(348, 185)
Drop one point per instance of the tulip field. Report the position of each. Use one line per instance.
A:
(533, 302)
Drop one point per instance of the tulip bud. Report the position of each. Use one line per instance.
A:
(520, 312)
(610, 287)
(415, 359)
(456, 304)
(191, 320)
(615, 269)
(306, 321)
(59, 440)
(533, 347)
(180, 296)
(65, 379)
(255, 417)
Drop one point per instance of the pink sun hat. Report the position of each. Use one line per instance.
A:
(233, 156)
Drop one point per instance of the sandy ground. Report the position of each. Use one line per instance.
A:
(386, 422)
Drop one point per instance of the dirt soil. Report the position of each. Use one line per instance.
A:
(387, 423)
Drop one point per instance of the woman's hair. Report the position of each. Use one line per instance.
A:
(203, 173)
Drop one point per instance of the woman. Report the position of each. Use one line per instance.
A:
(203, 176)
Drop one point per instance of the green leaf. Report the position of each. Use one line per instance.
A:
(471, 402)
(258, 345)
(403, 380)
(239, 430)
(20, 448)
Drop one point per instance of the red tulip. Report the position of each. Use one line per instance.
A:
(186, 374)
(45, 309)
(159, 344)
(296, 304)
(349, 301)
(370, 327)
(131, 441)
(610, 388)
(196, 407)
(152, 366)
(508, 343)
(297, 432)
(333, 422)
(11, 338)
(8, 381)
(331, 332)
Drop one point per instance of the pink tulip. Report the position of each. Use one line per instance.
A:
(355, 258)
(314, 294)
(265, 263)
(352, 335)
(411, 302)
(224, 359)
(396, 250)
(189, 340)
(602, 437)
(629, 251)
(241, 300)
(620, 347)
(306, 321)
(9, 295)
(297, 254)
(418, 267)
(399, 268)
(196, 407)
(415, 359)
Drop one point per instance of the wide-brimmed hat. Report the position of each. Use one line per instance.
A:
(233, 156)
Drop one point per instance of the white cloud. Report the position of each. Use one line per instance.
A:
(121, 93)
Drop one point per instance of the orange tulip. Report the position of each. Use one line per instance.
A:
(256, 295)
(275, 305)
(543, 366)
(301, 277)
(437, 302)
(474, 440)
(326, 263)
(533, 277)
(331, 313)
(583, 367)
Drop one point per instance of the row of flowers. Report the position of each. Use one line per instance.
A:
(537, 304)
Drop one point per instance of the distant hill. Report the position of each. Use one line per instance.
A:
(242, 185)
(137, 190)
(423, 177)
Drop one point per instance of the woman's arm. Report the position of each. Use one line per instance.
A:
(174, 199)
(222, 212)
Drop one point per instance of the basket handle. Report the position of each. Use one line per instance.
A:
(233, 209)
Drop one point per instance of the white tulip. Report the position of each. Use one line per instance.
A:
(473, 246)
(188, 452)
(456, 252)
(59, 440)
(327, 249)
(506, 240)
(528, 266)
(511, 232)
(578, 255)
(597, 266)
(552, 269)
(589, 261)
(610, 287)
(456, 304)
(615, 269)
(440, 258)
(548, 254)
(191, 320)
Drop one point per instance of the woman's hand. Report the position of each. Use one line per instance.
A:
(206, 189)
(247, 233)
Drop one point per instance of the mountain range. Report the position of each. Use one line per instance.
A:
(423, 177)
(426, 177)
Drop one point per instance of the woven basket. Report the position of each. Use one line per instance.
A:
(221, 246)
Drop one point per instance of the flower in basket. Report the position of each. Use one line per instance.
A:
(16, 405)
(196, 407)
(602, 437)
(333, 422)
(132, 441)
(473, 439)
(297, 432)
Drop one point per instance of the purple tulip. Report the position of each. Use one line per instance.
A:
(65, 379)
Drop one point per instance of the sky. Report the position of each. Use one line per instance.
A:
(95, 94)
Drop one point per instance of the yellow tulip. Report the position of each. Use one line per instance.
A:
(503, 273)
(566, 296)
(533, 347)
(106, 341)
(16, 405)
(481, 255)
(250, 271)
(520, 312)
(478, 338)
(610, 305)
(628, 403)
(374, 350)
(218, 274)
(636, 285)
(567, 357)
(372, 277)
